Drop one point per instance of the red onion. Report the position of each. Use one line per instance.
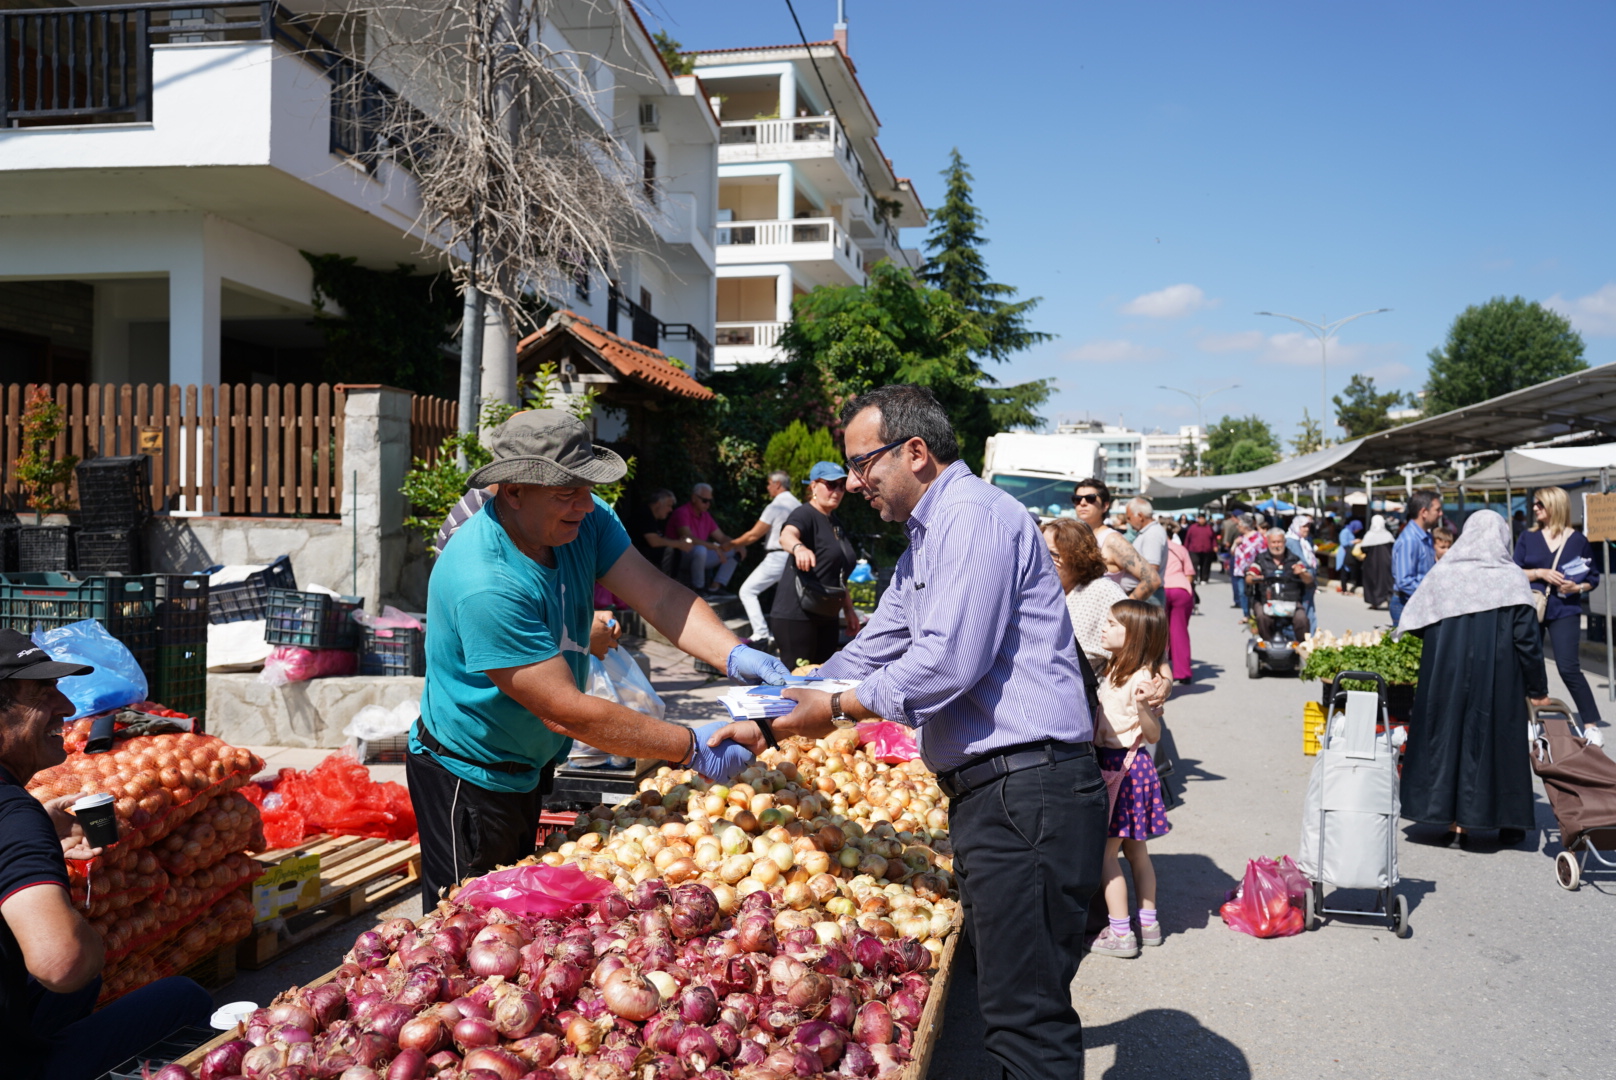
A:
(622, 1056)
(393, 930)
(783, 971)
(327, 1002)
(359, 1072)
(874, 1024)
(903, 1037)
(750, 1052)
(369, 950)
(697, 1049)
(503, 1062)
(467, 921)
(630, 995)
(537, 1050)
(758, 901)
(347, 974)
(755, 933)
(808, 991)
(262, 1060)
(732, 1019)
(604, 969)
(662, 1067)
(289, 1072)
(905, 1009)
(917, 985)
(225, 1059)
(173, 1072)
(800, 943)
(293, 1014)
(907, 954)
(745, 1004)
(727, 1039)
(289, 1034)
(495, 957)
(470, 1006)
(516, 1013)
(663, 1032)
(856, 1061)
(593, 1009)
(369, 1048)
(779, 1018)
(444, 1061)
(698, 1005)
(833, 962)
(654, 923)
(421, 986)
(560, 982)
(614, 907)
(648, 894)
(474, 1074)
(839, 1009)
(361, 1005)
(387, 1020)
(695, 910)
(475, 1031)
(824, 1040)
(409, 1065)
(424, 1033)
(509, 933)
(421, 954)
(869, 954)
(451, 941)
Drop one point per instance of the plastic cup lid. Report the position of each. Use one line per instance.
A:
(228, 1016)
(90, 802)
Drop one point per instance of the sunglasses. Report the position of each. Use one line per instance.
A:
(1536, 505)
(833, 484)
(1090, 498)
(704, 500)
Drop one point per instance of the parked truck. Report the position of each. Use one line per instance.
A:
(1040, 470)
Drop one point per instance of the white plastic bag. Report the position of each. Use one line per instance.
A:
(376, 722)
(618, 678)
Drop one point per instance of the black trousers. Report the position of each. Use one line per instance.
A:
(467, 830)
(1028, 848)
(1203, 565)
(813, 640)
(1566, 633)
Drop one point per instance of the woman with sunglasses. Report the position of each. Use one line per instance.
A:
(1091, 499)
(812, 593)
(1559, 562)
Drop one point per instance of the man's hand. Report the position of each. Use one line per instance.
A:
(1155, 692)
(718, 757)
(753, 666)
(603, 634)
(68, 830)
(813, 709)
(742, 732)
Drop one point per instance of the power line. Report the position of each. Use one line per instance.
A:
(821, 75)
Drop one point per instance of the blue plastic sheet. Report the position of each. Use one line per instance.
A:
(117, 679)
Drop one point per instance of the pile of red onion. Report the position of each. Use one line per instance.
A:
(659, 985)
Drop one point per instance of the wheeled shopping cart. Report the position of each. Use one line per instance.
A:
(1350, 815)
(1580, 781)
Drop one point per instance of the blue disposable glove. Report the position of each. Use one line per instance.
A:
(753, 666)
(721, 763)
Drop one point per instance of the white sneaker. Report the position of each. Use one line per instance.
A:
(1594, 736)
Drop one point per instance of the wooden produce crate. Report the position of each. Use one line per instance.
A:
(356, 875)
(931, 1017)
(193, 1060)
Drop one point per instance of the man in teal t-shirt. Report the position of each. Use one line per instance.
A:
(509, 612)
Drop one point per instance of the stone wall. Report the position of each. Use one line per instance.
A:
(245, 712)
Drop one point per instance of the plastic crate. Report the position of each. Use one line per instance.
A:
(389, 750)
(182, 680)
(182, 609)
(311, 620)
(8, 547)
(249, 599)
(114, 492)
(45, 548)
(126, 606)
(399, 651)
(112, 552)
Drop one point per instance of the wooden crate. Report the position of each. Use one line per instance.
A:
(193, 1060)
(356, 875)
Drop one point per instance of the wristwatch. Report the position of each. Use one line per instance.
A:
(837, 716)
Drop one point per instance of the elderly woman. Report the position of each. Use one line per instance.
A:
(1466, 765)
(1377, 563)
(1089, 592)
(1559, 562)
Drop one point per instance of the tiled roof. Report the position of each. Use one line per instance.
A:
(629, 359)
(752, 48)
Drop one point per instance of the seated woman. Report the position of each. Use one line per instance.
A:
(1270, 567)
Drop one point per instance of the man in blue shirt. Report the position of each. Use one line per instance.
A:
(510, 607)
(972, 646)
(1414, 553)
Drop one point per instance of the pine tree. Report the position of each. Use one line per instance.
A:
(796, 450)
(955, 265)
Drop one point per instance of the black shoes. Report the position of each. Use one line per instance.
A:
(1510, 837)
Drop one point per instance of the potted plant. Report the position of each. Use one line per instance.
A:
(43, 478)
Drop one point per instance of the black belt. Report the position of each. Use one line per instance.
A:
(974, 774)
(432, 744)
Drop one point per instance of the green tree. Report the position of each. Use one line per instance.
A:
(1311, 436)
(677, 63)
(42, 478)
(797, 449)
(1361, 410)
(394, 328)
(955, 265)
(1500, 346)
(1239, 444)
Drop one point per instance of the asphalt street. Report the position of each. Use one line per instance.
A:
(1505, 975)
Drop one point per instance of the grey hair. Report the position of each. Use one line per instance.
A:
(658, 495)
(708, 488)
(1274, 532)
(1141, 505)
(781, 477)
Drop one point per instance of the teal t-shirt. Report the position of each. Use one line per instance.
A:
(490, 606)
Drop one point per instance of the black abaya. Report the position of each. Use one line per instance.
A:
(1377, 575)
(1467, 753)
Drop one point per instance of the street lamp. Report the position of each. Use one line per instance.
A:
(1324, 331)
(1200, 413)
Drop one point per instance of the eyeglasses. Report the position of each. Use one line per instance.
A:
(1536, 505)
(857, 464)
(1089, 498)
(705, 500)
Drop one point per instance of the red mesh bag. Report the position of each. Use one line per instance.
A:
(337, 796)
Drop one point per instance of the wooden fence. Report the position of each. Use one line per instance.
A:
(232, 450)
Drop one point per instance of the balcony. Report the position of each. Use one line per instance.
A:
(819, 247)
(816, 143)
(646, 329)
(748, 342)
(674, 219)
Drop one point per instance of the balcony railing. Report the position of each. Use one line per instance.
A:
(749, 333)
(796, 231)
(648, 330)
(802, 136)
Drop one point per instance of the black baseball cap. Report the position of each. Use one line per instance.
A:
(20, 658)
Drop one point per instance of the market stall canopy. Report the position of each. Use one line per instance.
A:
(1546, 466)
(1280, 474)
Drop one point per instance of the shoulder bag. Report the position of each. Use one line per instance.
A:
(817, 598)
(1540, 600)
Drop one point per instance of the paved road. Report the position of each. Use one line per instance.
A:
(1506, 975)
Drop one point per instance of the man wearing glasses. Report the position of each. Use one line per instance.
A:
(710, 548)
(972, 646)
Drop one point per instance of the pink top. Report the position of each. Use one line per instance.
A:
(1178, 574)
(700, 523)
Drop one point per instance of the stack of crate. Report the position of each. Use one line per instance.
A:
(114, 508)
(182, 644)
(1312, 727)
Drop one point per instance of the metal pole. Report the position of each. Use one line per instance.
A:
(1324, 379)
(1604, 583)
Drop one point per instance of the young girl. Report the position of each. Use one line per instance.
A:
(1136, 635)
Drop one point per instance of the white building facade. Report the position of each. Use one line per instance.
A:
(805, 195)
(1124, 450)
(1164, 450)
(154, 204)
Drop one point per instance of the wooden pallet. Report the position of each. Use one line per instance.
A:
(931, 1017)
(356, 874)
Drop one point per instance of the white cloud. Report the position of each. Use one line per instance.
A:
(1594, 314)
(1112, 352)
(1294, 349)
(1242, 341)
(1173, 302)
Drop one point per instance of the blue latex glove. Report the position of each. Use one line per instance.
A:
(753, 666)
(721, 763)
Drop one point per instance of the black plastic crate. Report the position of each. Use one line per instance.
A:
(311, 620)
(45, 549)
(249, 599)
(398, 651)
(121, 551)
(114, 492)
(182, 679)
(8, 547)
(182, 608)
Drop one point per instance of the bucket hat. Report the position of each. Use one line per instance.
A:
(549, 448)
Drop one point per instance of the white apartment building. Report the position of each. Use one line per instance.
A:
(162, 166)
(805, 195)
(1124, 449)
(1164, 450)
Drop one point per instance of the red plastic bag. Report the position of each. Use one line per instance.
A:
(889, 741)
(1262, 905)
(535, 890)
(336, 796)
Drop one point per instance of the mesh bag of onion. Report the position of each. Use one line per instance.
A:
(224, 923)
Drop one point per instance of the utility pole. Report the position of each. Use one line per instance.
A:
(1324, 331)
(1200, 413)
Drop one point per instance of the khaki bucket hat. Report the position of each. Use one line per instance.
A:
(547, 447)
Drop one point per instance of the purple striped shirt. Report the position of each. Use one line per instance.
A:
(971, 644)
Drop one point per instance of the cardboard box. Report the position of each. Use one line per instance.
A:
(289, 886)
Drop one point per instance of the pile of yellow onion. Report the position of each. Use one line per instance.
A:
(840, 838)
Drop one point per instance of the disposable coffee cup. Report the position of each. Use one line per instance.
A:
(97, 819)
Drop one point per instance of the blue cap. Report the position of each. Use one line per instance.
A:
(826, 470)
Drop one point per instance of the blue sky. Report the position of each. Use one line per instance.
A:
(1157, 173)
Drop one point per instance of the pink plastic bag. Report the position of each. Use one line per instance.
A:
(1262, 906)
(535, 890)
(889, 740)
(293, 663)
(1296, 883)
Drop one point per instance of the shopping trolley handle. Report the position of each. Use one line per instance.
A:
(1551, 707)
(1359, 676)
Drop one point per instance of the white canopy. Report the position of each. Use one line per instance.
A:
(1546, 466)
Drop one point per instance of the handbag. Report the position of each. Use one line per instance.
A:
(817, 598)
(1540, 600)
(1358, 551)
(1113, 782)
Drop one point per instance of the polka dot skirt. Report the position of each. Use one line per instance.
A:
(1140, 813)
